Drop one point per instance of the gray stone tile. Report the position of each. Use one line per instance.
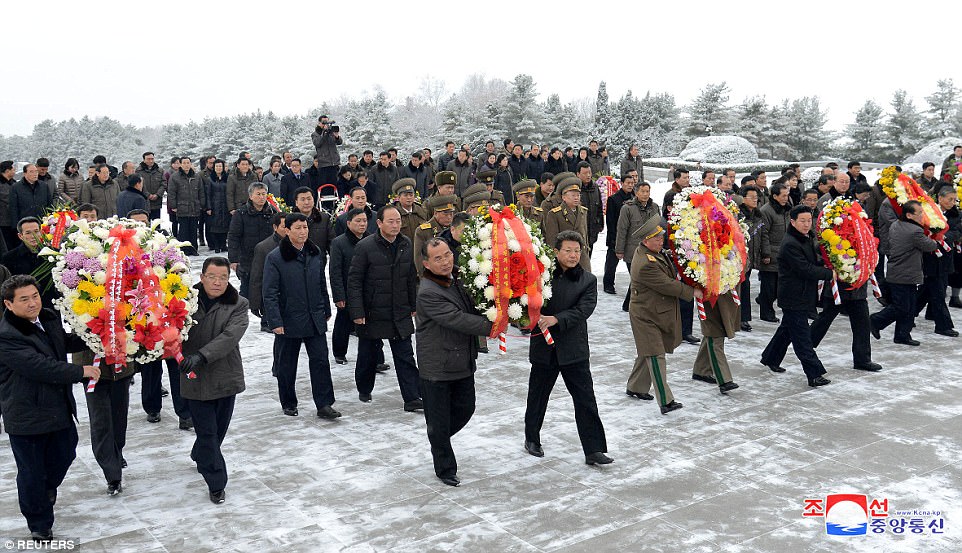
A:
(651, 535)
(734, 516)
(481, 536)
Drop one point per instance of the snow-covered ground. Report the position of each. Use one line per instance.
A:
(726, 473)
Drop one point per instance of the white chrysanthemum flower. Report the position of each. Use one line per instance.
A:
(838, 220)
(514, 245)
(480, 281)
(160, 272)
(486, 254)
(523, 299)
(178, 267)
(474, 251)
(484, 233)
(473, 265)
(101, 233)
(546, 293)
(489, 293)
(100, 277)
(514, 311)
(491, 313)
(486, 244)
(486, 267)
(545, 261)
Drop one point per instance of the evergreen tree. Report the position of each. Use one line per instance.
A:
(752, 120)
(808, 138)
(865, 135)
(943, 109)
(522, 114)
(710, 111)
(904, 127)
(602, 117)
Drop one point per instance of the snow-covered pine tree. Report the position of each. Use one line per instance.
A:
(943, 109)
(601, 127)
(904, 126)
(809, 138)
(710, 110)
(522, 116)
(866, 133)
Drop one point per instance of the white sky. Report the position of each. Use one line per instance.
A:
(149, 63)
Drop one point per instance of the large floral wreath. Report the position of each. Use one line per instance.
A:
(846, 238)
(126, 289)
(506, 267)
(901, 188)
(707, 240)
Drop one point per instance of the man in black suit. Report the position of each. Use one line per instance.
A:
(36, 399)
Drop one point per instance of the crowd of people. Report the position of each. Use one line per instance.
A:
(383, 267)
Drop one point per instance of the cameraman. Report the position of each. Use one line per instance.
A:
(326, 138)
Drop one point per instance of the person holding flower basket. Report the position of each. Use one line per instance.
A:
(937, 268)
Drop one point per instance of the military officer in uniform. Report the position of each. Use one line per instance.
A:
(568, 215)
(443, 208)
(445, 183)
(487, 179)
(555, 198)
(413, 215)
(654, 313)
(476, 196)
(524, 194)
(722, 320)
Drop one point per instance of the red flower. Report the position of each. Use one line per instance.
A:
(148, 335)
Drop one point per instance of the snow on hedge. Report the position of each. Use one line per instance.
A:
(810, 176)
(720, 149)
(935, 151)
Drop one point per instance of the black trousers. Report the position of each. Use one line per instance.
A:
(9, 236)
(155, 214)
(244, 275)
(211, 419)
(151, 376)
(42, 462)
(745, 293)
(287, 351)
(327, 175)
(217, 240)
(767, 294)
(624, 305)
(900, 310)
(861, 328)
(174, 227)
(577, 378)
(687, 313)
(404, 365)
(343, 325)
(932, 294)
(187, 232)
(611, 264)
(448, 406)
(794, 330)
(883, 284)
(107, 408)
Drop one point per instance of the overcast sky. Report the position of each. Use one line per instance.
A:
(149, 63)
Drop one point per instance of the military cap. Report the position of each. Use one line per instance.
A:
(404, 185)
(527, 186)
(562, 176)
(442, 203)
(650, 229)
(486, 177)
(477, 199)
(569, 183)
(445, 177)
(474, 189)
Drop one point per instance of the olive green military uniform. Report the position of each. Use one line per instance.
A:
(475, 196)
(655, 315)
(487, 179)
(441, 179)
(555, 198)
(410, 220)
(561, 218)
(528, 187)
(722, 320)
(431, 228)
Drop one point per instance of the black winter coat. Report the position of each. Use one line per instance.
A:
(295, 290)
(800, 268)
(382, 287)
(22, 261)
(129, 200)
(519, 168)
(290, 183)
(216, 335)
(535, 168)
(237, 185)
(342, 252)
(574, 295)
(421, 175)
(248, 228)
(383, 178)
(612, 212)
(554, 166)
(448, 326)
(219, 219)
(28, 200)
(503, 182)
(35, 378)
(933, 265)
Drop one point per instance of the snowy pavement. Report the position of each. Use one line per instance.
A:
(726, 473)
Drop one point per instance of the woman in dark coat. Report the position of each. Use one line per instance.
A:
(218, 222)
(504, 180)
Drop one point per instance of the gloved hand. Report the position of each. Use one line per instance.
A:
(192, 362)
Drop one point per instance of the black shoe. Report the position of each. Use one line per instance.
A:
(381, 367)
(52, 496)
(114, 488)
(598, 458)
(123, 463)
(951, 333)
(691, 339)
(727, 387)
(610, 290)
(164, 392)
(708, 379)
(673, 406)
(340, 360)
(364, 398)
(645, 396)
(153, 417)
(217, 497)
(452, 480)
(870, 366)
(955, 302)
(41, 536)
(414, 405)
(534, 449)
(290, 411)
(746, 327)
(818, 381)
(928, 317)
(884, 302)
(774, 368)
(876, 333)
(186, 424)
(483, 349)
(907, 342)
(328, 412)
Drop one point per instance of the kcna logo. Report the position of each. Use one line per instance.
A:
(846, 514)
